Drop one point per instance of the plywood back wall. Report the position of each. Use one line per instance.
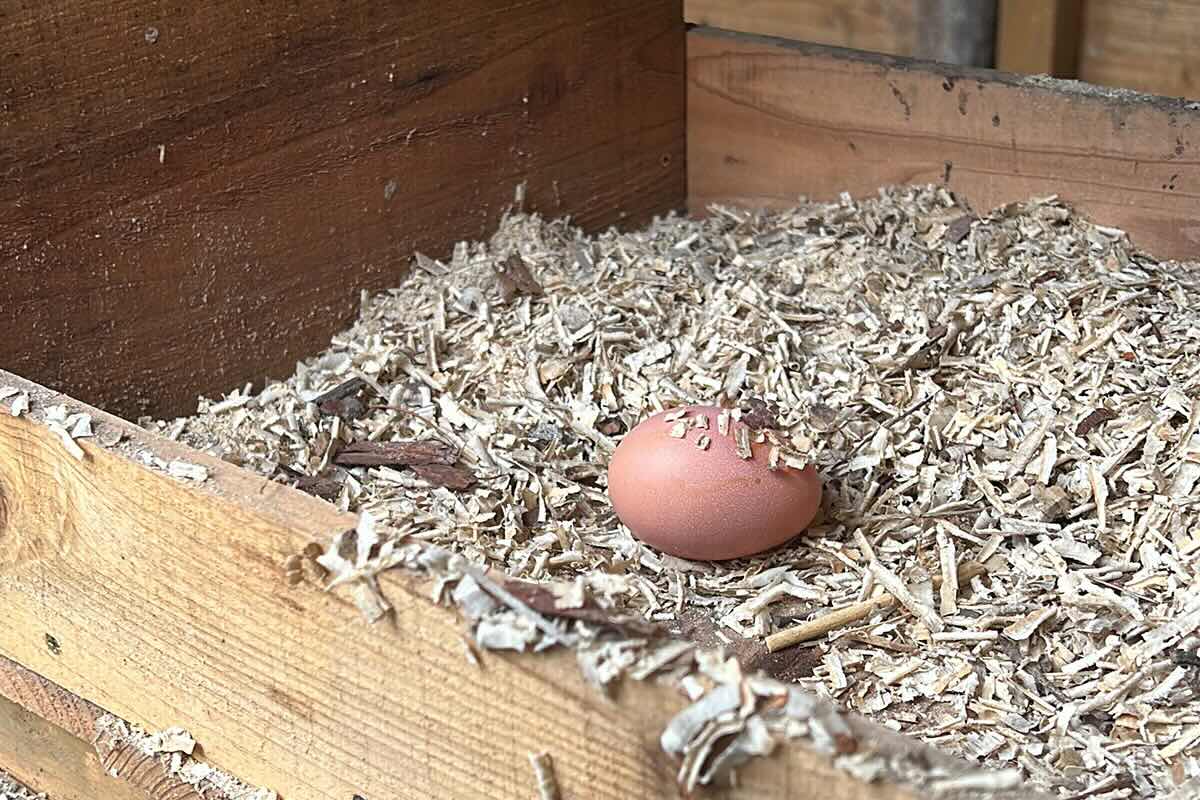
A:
(192, 194)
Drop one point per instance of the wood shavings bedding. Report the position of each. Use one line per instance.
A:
(11, 790)
(1020, 389)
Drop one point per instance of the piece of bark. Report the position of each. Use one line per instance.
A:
(516, 279)
(342, 401)
(544, 601)
(395, 454)
(957, 230)
(457, 478)
(1093, 420)
(325, 488)
(758, 414)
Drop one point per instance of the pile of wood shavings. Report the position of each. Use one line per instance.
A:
(1020, 389)
(116, 742)
(11, 790)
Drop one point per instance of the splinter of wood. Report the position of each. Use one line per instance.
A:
(816, 628)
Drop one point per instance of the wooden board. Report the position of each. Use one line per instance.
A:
(849, 23)
(769, 121)
(166, 604)
(1148, 45)
(1039, 37)
(48, 759)
(944, 30)
(193, 195)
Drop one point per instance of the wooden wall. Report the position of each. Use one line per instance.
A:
(769, 121)
(941, 30)
(192, 194)
(1148, 45)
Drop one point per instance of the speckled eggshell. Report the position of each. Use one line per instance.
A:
(709, 504)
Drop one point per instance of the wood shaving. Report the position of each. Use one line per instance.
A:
(544, 778)
(172, 749)
(1021, 382)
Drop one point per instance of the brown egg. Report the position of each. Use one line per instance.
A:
(706, 503)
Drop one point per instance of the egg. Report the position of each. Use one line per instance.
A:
(681, 486)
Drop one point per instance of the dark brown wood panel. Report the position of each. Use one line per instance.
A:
(769, 121)
(192, 194)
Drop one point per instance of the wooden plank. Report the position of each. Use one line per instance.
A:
(201, 193)
(848, 23)
(66, 746)
(943, 30)
(1148, 45)
(48, 759)
(166, 604)
(769, 121)
(1039, 37)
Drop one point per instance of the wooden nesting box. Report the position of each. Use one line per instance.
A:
(193, 197)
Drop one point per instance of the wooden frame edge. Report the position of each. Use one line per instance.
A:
(102, 605)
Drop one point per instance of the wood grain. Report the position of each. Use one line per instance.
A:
(1148, 45)
(167, 605)
(769, 122)
(197, 193)
(1039, 37)
(955, 32)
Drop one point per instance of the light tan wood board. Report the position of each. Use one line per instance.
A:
(167, 605)
(860, 24)
(770, 121)
(1148, 45)
(944, 30)
(1038, 36)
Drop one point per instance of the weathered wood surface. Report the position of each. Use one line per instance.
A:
(769, 121)
(1039, 37)
(943, 30)
(192, 195)
(167, 605)
(1148, 45)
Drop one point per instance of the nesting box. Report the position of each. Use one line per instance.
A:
(194, 198)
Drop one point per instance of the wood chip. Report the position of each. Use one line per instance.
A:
(516, 279)
(741, 435)
(895, 586)
(1023, 628)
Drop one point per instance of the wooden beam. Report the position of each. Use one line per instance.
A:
(166, 604)
(207, 212)
(943, 30)
(48, 759)
(770, 121)
(848, 23)
(1039, 37)
(1147, 45)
